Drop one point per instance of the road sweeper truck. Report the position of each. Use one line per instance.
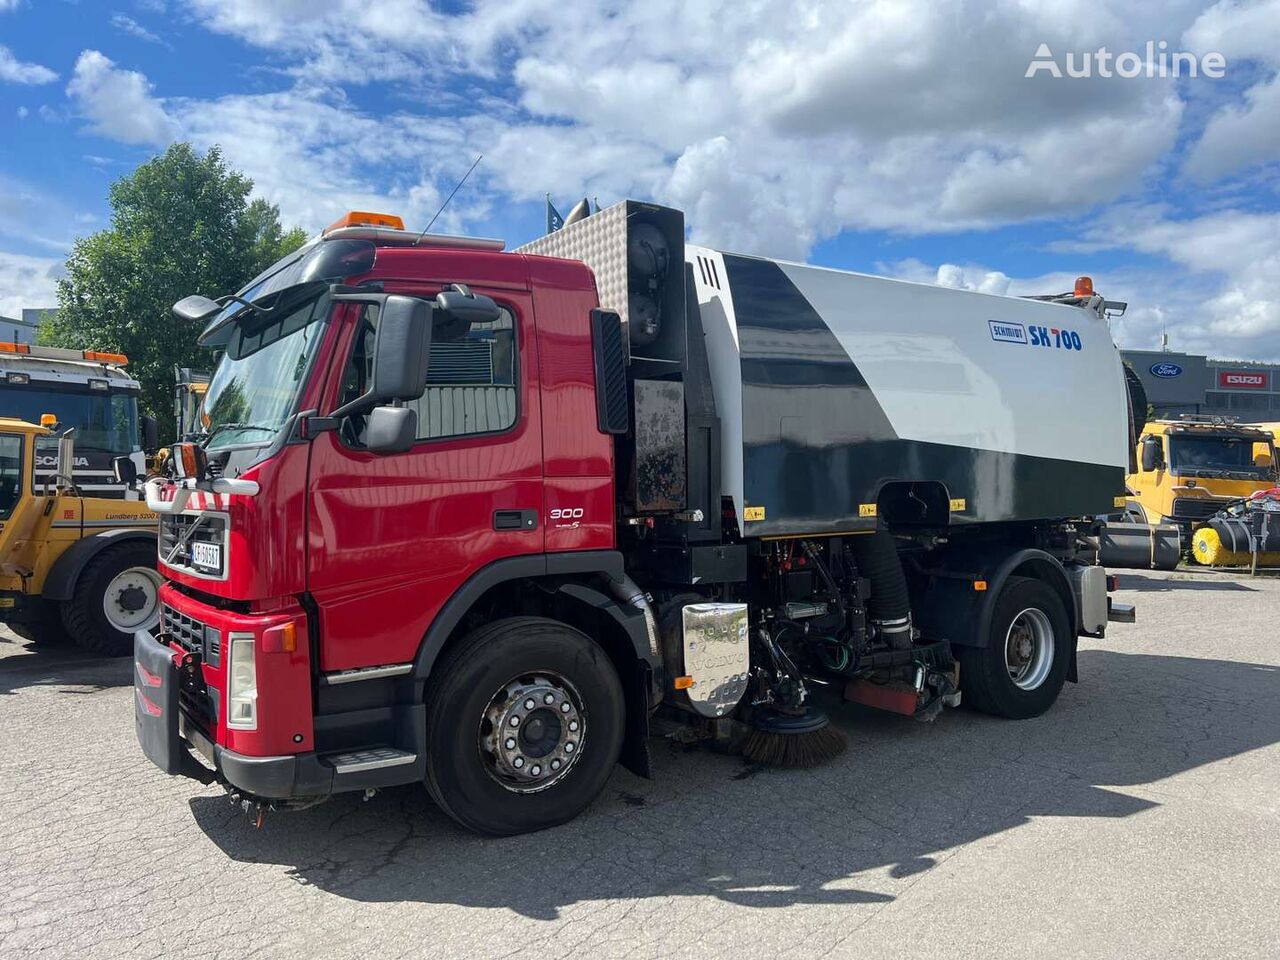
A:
(474, 518)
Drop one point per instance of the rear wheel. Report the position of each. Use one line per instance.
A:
(117, 593)
(1020, 672)
(524, 726)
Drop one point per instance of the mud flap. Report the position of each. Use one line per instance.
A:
(155, 702)
(1072, 676)
(635, 742)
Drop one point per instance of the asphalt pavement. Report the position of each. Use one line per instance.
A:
(1138, 818)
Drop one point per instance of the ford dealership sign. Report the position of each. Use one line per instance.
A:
(1166, 370)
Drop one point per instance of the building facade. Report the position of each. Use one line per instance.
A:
(1178, 383)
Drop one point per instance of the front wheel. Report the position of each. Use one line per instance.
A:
(524, 726)
(1020, 672)
(117, 593)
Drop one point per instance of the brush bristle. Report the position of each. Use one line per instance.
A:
(795, 749)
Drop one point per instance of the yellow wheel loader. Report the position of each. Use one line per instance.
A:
(71, 566)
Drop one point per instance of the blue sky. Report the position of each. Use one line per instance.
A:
(894, 137)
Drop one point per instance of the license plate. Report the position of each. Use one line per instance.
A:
(207, 556)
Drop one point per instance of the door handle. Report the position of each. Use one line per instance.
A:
(515, 519)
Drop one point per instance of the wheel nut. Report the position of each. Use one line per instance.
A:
(518, 762)
(573, 726)
(530, 704)
(514, 721)
(564, 708)
(535, 770)
(555, 764)
(549, 698)
(510, 743)
(569, 747)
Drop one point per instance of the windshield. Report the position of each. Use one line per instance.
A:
(256, 385)
(1219, 456)
(104, 421)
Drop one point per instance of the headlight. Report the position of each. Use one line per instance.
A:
(242, 684)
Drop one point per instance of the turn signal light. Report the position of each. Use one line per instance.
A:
(979, 585)
(682, 683)
(189, 461)
(14, 348)
(362, 218)
(1084, 286)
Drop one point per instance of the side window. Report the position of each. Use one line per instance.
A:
(10, 474)
(471, 381)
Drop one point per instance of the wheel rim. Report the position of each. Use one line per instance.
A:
(132, 600)
(532, 732)
(1028, 648)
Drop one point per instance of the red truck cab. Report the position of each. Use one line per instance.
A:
(313, 582)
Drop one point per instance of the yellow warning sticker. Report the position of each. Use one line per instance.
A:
(1120, 501)
(866, 509)
(753, 513)
(957, 505)
(8, 602)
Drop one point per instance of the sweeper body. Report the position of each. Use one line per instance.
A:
(481, 519)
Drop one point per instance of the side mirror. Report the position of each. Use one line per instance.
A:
(125, 470)
(1152, 454)
(400, 350)
(458, 308)
(195, 307)
(150, 435)
(391, 429)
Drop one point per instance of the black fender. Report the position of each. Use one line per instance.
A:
(949, 607)
(637, 683)
(60, 584)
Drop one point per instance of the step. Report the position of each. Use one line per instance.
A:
(368, 758)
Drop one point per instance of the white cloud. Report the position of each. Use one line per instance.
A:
(23, 112)
(118, 103)
(126, 24)
(13, 70)
(26, 281)
(1246, 132)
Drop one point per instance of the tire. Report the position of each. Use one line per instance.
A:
(45, 628)
(987, 674)
(467, 775)
(114, 571)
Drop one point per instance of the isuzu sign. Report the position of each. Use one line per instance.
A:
(1243, 379)
(1166, 370)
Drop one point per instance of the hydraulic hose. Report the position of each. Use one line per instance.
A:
(629, 593)
(889, 606)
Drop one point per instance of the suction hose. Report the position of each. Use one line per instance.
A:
(889, 605)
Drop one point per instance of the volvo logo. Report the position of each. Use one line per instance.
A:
(1166, 370)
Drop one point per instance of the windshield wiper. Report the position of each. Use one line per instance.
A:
(208, 437)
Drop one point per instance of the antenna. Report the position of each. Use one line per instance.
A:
(450, 197)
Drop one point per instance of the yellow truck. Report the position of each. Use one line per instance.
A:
(1190, 468)
(71, 566)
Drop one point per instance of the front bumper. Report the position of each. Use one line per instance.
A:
(166, 734)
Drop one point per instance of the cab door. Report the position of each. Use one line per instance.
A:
(391, 537)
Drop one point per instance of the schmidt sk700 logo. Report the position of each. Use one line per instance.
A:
(1036, 336)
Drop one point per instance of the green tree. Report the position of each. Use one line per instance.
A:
(181, 223)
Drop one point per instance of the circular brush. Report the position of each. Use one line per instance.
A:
(807, 740)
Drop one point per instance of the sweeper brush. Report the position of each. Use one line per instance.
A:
(807, 740)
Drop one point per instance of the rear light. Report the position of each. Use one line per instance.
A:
(14, 348)
(242, 683)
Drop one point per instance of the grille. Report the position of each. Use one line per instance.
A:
(1195, 508)
(194, 635)
(208, 528)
